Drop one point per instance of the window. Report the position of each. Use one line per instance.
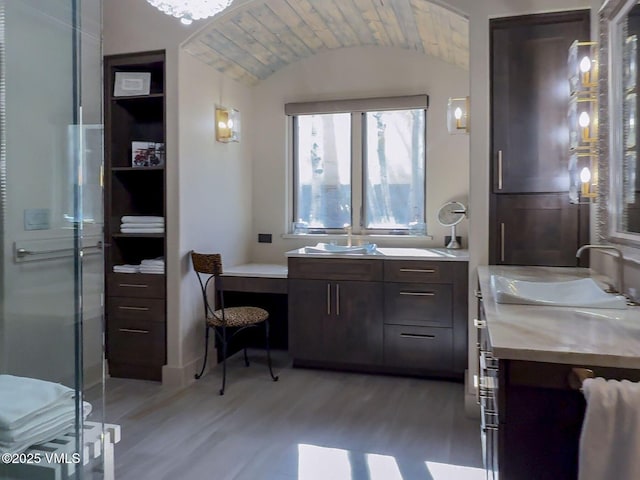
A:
(363, 167)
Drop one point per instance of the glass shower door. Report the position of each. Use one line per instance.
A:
(51, 267)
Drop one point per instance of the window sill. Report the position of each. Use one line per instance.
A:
(355, 237)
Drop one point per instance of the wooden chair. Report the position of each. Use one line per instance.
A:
(208, 267)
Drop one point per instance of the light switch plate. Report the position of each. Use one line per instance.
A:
(37, 219)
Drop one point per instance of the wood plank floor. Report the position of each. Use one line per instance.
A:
(310, 425)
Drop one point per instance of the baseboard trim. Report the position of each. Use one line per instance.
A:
(178, 377)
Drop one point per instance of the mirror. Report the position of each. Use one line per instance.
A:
(619, 185)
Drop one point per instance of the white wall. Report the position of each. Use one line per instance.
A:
(208, 190)
(358, 72)
(215, 196)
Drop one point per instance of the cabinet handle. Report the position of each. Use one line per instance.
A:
(328, 299)
(416, 335)
(502, 242)
(419, 294)
(141, 309)
(418, 270)
(337, 299)
(133, 285)
(499, 169)
(133, 330)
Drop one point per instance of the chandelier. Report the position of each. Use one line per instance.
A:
(190, 10)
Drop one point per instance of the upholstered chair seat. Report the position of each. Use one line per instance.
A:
(237, 317)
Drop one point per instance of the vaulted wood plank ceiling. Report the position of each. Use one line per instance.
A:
(253, 41)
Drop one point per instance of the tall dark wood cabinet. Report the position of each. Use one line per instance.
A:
(134, 186)
(531, 219)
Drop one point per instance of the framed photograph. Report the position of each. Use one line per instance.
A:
(147, 154)
(140, 153)
(129, 84)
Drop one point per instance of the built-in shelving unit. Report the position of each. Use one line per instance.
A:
(135, 302)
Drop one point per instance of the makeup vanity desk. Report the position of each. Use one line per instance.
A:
(258, 285)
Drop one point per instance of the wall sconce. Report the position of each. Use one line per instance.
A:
(227, 125)
(583, 122)
(458, 115)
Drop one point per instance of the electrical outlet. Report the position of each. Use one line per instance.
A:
(264, 238)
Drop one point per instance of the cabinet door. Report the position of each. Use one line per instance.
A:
(535, 230)
(353, 331)
(308, 307)
(530, 99)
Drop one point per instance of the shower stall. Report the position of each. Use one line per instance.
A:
(51, 231)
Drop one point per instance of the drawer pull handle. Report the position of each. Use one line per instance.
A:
(141, 309)
(419, 294)
(338, 300)
(328, 299)
(133, 330)
(416, 335)
(418, 270)
(133, 285)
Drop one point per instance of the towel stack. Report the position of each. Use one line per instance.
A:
(154, 266)
(34, 411)
(142, 224)
(126, 268)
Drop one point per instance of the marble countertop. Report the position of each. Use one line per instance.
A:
(390, 253)
(263, 270)
(576, 336)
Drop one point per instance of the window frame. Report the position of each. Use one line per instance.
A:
(357, 109)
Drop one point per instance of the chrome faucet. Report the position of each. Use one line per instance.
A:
(620, 285)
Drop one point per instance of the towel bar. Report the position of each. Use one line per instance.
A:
(577, 376)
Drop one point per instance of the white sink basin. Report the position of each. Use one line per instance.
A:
(330, 248)
(584, 293)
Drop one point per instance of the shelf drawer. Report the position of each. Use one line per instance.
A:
(335, 269)
(420, 348)
(136, 342)
(130, 308)
(136, 285)
(418, 304)
(417, 271)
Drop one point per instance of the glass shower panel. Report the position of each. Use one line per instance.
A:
(51, 288)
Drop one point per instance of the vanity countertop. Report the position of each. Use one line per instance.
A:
(390, 253)
(570, 335)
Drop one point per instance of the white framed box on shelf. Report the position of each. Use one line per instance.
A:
(129, 84)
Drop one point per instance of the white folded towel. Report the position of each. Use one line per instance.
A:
(21, 399)
(141, 230)
(44, 432)
(141, 219)
(126, 268)
(152, 263)
(610, 438)
(142, 225)
(152, 272)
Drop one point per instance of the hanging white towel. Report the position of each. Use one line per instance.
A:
(610, 438)
(23, 398)
(141, 219)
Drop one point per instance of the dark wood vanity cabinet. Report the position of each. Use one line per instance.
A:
(397, 316)
(531, 418)
(337, 319)
(531, 219)
(135, 303)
